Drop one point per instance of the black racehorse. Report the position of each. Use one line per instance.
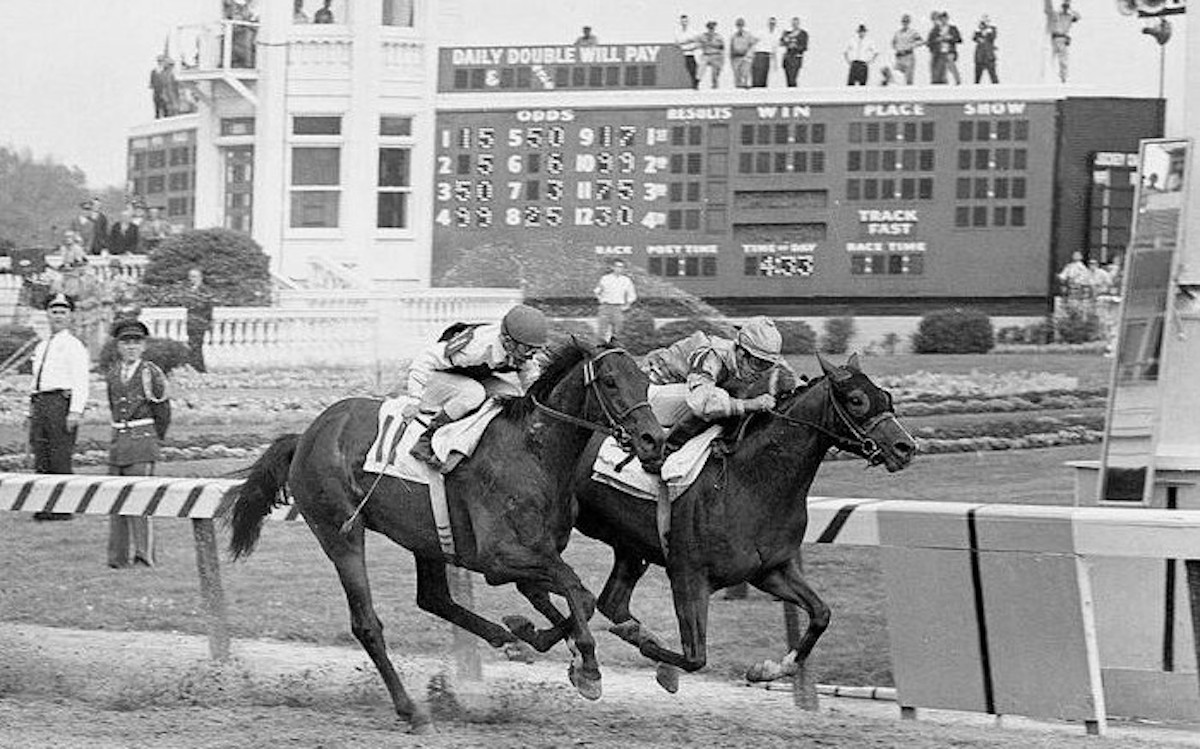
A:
(509, 503)
(744, 517)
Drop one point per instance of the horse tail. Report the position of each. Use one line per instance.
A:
(254, 498)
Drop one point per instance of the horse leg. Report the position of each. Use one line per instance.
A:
(563, 580)
(349, 557)
(433, 595)
(540, 640)
(788, 584)
(627, 571)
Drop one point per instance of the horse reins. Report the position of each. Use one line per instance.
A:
(614, 418)
(865, 445)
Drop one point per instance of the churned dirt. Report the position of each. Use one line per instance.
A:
(100, 690)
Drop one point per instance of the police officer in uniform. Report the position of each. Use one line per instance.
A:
(455, 375)
(60, 392)
(141, 414)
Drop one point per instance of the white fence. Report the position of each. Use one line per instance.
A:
(332, 327)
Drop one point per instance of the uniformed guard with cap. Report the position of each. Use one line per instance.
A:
(455, 375)
(702, 378)
(59, 394)
(141, 414)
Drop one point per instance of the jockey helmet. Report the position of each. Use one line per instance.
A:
(761, 339)
(526, 325)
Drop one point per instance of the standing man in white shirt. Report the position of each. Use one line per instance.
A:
(616, 295)
(766, 53)
(689, 45)
(905, 42)
(60, 392)
(860, 53)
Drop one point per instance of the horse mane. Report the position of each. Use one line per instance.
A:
(559, 360)
(755, 422)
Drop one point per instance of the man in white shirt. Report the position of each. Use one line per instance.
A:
(766, 53)
(860, 53)
(616, 295)
(59, 394)
(689, 45)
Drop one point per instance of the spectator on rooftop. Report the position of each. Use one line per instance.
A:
(795, 43)
(298, 14)
(712, 47)
(985, 50)
(324, 14)
(860, 52)
(905, 42)
(587, 38)
(689, 45)
(741, 52)
(943, 42)
(766, 54)
(1059, 24)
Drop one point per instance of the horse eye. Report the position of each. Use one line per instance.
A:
(858, 403)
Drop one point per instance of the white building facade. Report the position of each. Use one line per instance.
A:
(308, 136)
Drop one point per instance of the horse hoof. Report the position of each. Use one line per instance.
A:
(519, 652)
(667, 677)
(765, 671)
(589, 687)
(519, 626)
(420, 724)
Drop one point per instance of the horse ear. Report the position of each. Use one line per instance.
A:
(826, 366)
(852, 363)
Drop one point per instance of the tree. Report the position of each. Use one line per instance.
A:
(236, 270)
(38, 198)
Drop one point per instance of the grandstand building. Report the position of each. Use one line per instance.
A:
(363, 144)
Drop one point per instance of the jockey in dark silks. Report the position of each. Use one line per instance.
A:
(703, 378)
(455, 375)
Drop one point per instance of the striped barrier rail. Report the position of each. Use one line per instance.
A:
(990, 607)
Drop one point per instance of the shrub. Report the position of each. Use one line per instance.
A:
(164, 352)
(1011, 334)
(638, 337)
(837, 335)
(561, 330)
(1077, 325)
(954, 331)
(12, 338)
(798, 336)
(671, 332)
(236, 270)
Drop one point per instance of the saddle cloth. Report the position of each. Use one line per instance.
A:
(679, 471)
(393, 439)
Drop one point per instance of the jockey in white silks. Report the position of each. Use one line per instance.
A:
(455, 375)
(702, 378)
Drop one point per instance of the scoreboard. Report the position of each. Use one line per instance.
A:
(883, 199)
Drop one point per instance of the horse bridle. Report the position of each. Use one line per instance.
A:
(613, 418)
(862, 443)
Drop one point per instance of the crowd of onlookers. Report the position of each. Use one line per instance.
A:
(138, 229)
(757, 56)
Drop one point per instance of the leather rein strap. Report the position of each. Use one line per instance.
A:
(861, 444)
(613, 417)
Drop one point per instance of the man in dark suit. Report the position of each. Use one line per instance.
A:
(123, 238)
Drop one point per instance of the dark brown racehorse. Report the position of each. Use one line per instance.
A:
(509, 503)
(744, 517)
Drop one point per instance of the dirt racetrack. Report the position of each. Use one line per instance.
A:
(102, 690)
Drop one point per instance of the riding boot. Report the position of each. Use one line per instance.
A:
(422, 450)
(686, 428)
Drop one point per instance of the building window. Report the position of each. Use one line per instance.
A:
(314, 171)
(399, 13)
(237, 126)
(395, 172)
(394, 187)
(317, 125)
